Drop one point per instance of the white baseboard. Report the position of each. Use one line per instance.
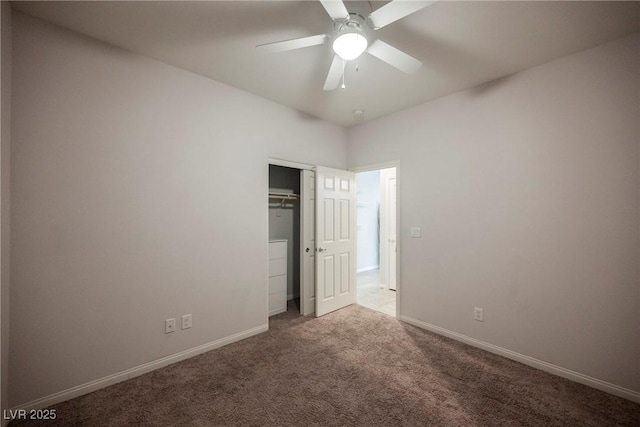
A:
(94, 385)
(527, 360)
(371, 267)
(292, 296)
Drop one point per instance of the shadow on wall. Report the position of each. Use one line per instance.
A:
(485, 88)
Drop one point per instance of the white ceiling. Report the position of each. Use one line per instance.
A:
(461, 44)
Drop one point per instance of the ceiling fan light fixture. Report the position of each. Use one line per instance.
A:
(350, 45)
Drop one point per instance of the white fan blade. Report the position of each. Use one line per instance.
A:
(394, 57)
(293, 44)
(395, 10)
(335, 73)
(336, 9)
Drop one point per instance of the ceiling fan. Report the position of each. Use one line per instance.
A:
(353, 37)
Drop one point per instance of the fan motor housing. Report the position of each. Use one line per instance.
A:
(355, 24)
(351, 38)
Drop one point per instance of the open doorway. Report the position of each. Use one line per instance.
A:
(292, 237)
(376, 239)
(284, 238)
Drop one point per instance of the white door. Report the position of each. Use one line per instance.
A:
(335, 239)
(392, 232)
(308, 242)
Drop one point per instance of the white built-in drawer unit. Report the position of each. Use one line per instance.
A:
(277, 276)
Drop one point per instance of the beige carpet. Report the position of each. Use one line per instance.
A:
(354, 367)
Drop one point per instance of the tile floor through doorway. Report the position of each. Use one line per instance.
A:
(370, 294)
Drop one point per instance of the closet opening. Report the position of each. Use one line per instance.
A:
(284, 239)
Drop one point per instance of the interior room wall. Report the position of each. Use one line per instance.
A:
(138, 193)
(368, 203)
(5, 180)
(284, 222)
(526, 190)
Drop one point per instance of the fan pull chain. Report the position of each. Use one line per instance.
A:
(357, 66)
(344, 66)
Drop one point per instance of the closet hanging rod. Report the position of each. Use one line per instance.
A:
(284, 196)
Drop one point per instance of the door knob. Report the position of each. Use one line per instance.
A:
(321, 249)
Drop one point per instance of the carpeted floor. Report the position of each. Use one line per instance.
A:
(354, 367)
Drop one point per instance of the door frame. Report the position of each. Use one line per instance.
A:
(386, 165)
(288, 164)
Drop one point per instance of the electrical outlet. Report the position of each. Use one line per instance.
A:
(186, 321)
(169, 325)
(478, 314)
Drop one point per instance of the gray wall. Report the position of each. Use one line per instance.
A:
(526, 190)
(138, 194)
(5, 181)
(284, 222)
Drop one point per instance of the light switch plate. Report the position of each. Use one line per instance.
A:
(416, 232)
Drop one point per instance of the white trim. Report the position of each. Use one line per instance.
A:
(292, 296)
(375, 167)
(290, 164)
(527, 360)
(100, 383)
(371, 267)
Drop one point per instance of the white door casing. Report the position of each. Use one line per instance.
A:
(308, 242)
(335, 239)
(388, 225)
